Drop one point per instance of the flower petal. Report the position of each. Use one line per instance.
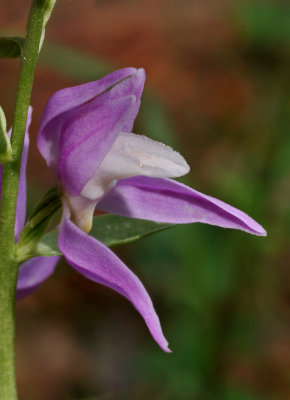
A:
(65, 101)
(87, 137)
(21, 196)
(96, 262)
(33, 272)
(135, 86)
(168, 201)
(133, 155)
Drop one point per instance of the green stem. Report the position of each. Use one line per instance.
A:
(10, 181)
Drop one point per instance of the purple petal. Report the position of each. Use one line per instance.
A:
(21, 196)
(168, 201)
(134, 86)
(33, 272)
(96, 262)
(65, 101)
(87, 137)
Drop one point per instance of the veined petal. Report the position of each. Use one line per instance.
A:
(96, 262)
(33, 272)
(133, 155)
(135, 86)
(63, 103)
(168, 201)
(21, 195)
(86, 139)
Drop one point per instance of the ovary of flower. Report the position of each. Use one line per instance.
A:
(131, 155)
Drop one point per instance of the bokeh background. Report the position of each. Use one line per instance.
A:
(218, 90)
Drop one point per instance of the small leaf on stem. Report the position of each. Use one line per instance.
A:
(5, 147)
(11, 47)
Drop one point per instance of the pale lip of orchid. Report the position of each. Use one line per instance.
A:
(130, 155)
(85, 137)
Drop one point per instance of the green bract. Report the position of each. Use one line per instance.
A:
(5, 147)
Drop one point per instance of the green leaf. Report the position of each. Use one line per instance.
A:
(111, 230)
(11, 47)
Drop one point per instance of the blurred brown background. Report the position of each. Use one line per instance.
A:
(218, 90)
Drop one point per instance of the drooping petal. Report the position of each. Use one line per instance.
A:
(62, 104)
(33, 272)
(133, 155)
(96, 262)
(168, 201)
(21, 196)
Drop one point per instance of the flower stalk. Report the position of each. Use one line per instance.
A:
(10, 181)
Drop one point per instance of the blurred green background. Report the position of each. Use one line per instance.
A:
(218, 90)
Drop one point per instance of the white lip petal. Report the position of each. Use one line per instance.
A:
(133, 155)
(154, 158)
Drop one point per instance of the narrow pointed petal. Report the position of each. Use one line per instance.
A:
(96, 262)
(168, 201)
(63, 103)
(33, 272)
(21, 196)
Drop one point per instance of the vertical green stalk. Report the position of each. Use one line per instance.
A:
(10, 179)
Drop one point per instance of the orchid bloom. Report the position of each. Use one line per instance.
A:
(87, 141)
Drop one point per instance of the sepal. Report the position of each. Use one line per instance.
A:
(48, 7)
(37, 225)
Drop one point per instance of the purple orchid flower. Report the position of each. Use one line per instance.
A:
(87, 141)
